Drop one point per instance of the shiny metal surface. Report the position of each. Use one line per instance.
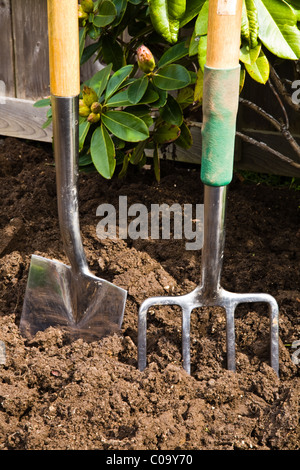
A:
(65, 140)
(210, 293)
(70, 297)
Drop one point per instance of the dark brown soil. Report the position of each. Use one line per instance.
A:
(57, 396)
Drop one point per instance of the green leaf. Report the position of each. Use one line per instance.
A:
(249, 28)
(295, 4)
(126, 159)
(185, 140)
(245, 33)
(112, 52)
(82, 36)
(278, 29)
(99, 81)
(260, 70)
(93, 32)
(148, 120)
(121, 98)
(248, 55)
(202, 21)
(156, 163)
(106, 14)
(85, 160)
(150, 97)
(117, 79)
(198, 93)
(176, 8)
(165, 16)
(166, 133)
(171, 77)
(185, 97)
(193, 77)
(137, 89)
(194, 42)
(103, 152)
(138, 110)
(202, 48)
(42, 103)
(192, 9)
(161, 96)
(47, 123)
(242, 78)
(118, 100)
(88, 52)
(84, 127)
(125, 126)
(120, 6)
(173, 54)
(172, 112)
(142, 112)
(138, 153)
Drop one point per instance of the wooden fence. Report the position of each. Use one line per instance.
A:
(24, 70)
(24, 78)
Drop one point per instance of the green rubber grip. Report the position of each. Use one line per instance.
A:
(220, 106)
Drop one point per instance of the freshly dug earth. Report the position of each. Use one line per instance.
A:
(59, 395)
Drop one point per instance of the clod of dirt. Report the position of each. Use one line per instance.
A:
(57, 395)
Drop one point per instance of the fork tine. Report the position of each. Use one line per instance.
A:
(230, 337)
(186, 329)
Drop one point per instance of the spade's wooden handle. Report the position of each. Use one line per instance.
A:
(63, 33)
(224, 31)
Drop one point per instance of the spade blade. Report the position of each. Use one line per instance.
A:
(83, 305)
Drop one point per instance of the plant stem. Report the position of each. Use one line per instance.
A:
(251, 140)
(279, 83)
(282, 128)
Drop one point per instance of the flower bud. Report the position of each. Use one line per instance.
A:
(93, 118)
(96, 107)
(87, 5)
(145, 59)
(82, 15)
(84, 110)
(89, 96)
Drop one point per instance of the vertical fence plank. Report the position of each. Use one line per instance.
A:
(29, 20)
(7, 83)
(30, 33)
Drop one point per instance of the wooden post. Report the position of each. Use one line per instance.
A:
(224, 31)
(64, 47)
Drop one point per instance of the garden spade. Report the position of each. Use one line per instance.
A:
(59, 295)
(220, 105)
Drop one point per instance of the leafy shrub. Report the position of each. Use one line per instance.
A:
(153, 54)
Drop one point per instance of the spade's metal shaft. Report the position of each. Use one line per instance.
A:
(68, 297)
(210, 293)
(65, 131)
(58, 295)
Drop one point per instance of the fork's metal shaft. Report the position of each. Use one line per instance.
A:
(220, 105)
(213, 238)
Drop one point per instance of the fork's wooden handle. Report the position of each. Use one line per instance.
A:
(63, 33)
(224, 30)
(220, 91)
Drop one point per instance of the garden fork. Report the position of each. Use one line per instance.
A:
(220, 105)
